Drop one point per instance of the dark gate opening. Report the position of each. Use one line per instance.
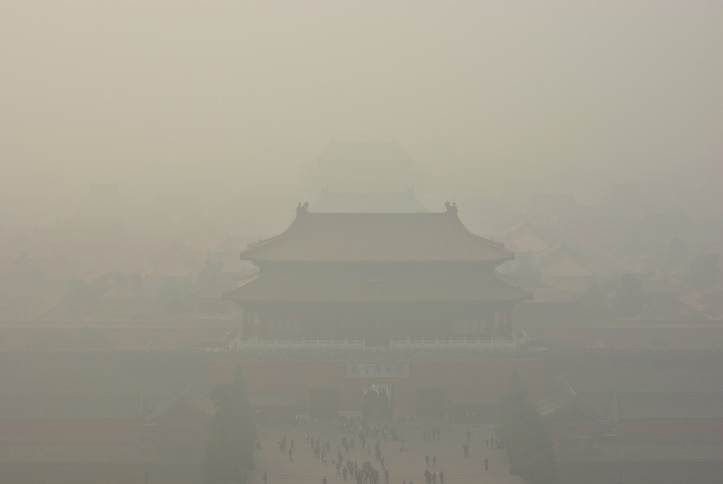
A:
(377, 400)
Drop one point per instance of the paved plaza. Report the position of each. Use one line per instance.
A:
(404, 465)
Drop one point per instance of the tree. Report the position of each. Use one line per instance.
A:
(523, 433)
(232, 434)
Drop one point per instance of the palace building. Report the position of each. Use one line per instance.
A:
(379, 313)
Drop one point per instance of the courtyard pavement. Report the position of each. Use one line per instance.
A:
(408, 465)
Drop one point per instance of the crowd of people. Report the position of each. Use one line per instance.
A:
(368, 438)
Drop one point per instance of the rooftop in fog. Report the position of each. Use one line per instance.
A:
(377, 237)
(345, 289)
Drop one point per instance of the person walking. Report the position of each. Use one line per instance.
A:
(265, 478)
(487, 464)
(441, 477)
(323, 481)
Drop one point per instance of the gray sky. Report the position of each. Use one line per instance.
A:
(502, 95)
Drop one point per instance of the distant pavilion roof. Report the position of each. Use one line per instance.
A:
(377, 237)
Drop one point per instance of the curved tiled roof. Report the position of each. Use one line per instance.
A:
(377, 237)
(260, 288)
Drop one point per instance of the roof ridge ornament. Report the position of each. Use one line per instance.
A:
(451, 208)
(302, 209)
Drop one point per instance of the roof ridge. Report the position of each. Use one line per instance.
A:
(375, 236)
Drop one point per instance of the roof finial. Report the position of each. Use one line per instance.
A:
(301, 209)
(451, 208)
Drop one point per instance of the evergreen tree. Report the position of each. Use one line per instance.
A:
(232, 435)
(525, 437)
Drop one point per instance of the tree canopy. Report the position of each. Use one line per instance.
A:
(232, 435)
(523, 434)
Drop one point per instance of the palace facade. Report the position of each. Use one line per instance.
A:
(402, 309)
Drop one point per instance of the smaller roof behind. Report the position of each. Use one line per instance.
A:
(215, 289)
(530, 242)
(567, 399)
(660, 283)
(566, 267)
(183, 405)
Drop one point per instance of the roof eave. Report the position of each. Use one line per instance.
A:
(248, 256)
